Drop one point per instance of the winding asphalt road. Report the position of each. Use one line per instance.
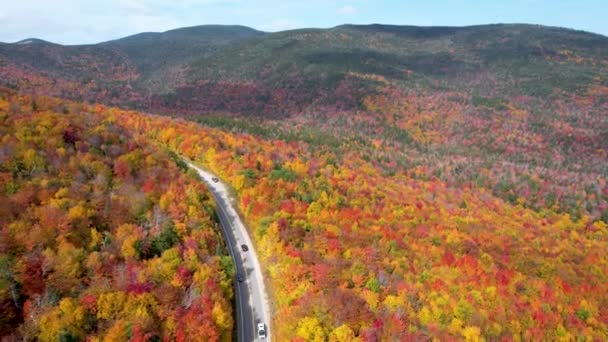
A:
(251, 297)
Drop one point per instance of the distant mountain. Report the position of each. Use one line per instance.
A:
(404, 183)
(122, 71)
(240, 70)
(158, 56)
(33, 41)
(244, 71)
(311, 64)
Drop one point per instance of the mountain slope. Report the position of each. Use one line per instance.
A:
(102, 234)
(511, 59)
(417, 183)
(352, 253)
(518, 109)
(287, 72)
(158, 56)
(122, 71)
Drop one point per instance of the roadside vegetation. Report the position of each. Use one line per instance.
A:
(102, 235)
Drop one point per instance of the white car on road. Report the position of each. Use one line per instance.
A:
(261, 331)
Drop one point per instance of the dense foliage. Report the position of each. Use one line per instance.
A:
(550, 158)
(240, 70)
(123, 71)
(400, 183)
(102, 235)
(355, 254)
(511, 108)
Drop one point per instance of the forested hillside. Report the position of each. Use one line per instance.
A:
(355, 254)
(102, 234)
(239, 70)
(518, 109)
(399, 183)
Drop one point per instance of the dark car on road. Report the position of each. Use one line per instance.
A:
(215, 179)
(244, 248)
(240, 278)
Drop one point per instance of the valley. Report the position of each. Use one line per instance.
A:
(390, 183)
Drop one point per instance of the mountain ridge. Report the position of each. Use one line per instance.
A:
(190, 29)
(371, 25)
(399, 183)
(177, 70)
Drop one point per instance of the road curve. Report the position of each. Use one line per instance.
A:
(250, 295)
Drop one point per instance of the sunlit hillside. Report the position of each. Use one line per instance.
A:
(398, 183)
(102, 234)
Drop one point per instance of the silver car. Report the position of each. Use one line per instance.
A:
(261, 331)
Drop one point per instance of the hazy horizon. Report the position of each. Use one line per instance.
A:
(74, 22)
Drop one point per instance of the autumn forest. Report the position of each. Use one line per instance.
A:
(398, 184)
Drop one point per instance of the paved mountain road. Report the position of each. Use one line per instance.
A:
(250, 295)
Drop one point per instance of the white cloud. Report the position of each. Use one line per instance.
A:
(347, 10)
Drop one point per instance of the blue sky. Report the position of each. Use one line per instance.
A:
(90, 21)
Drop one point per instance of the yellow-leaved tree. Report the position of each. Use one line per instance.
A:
(343, 333)
(310, 329)
(63, 323)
